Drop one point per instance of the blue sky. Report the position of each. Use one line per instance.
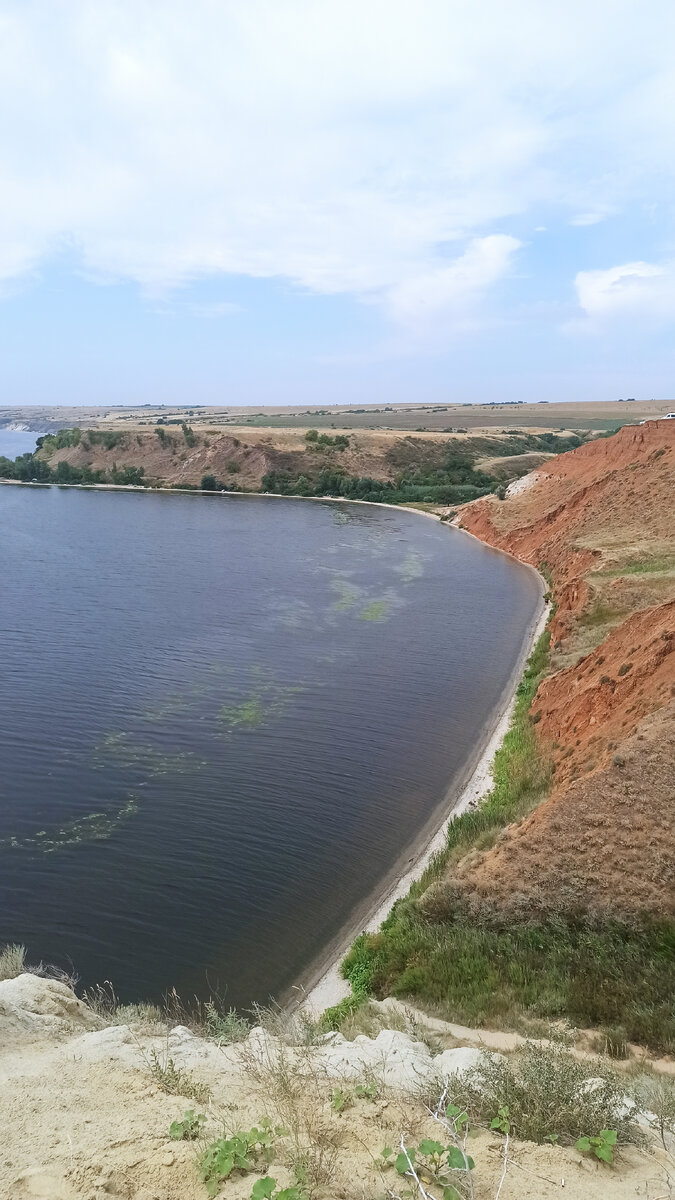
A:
(300, 201)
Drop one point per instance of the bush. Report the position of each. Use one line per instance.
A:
(209, 483)
(12, 962)
(549, 1096)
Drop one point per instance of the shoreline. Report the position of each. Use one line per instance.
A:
(323, 985)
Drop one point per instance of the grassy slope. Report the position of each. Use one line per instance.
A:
(469, 963)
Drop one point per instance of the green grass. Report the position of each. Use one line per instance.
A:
(654, 566)
(475, 963)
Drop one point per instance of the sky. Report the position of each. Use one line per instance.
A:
(312, 202)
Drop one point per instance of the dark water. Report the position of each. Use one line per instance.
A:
(14, 442)
(223, 719)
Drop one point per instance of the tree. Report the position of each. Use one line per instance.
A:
(209, 483)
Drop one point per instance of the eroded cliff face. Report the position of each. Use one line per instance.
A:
(601, 522)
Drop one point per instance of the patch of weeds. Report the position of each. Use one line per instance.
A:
(238, 1154)
(544, 1091)
(225, 1027)
(175, 1081)
(102, 999)
(189, 1129)
(624, 669)
(12, 962)
(655, 1096)
(613, 1042)
(447, 1166)
(340, 1100)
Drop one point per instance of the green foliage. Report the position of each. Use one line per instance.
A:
(225, 1027)
(59, 441)
(445, 1165)
(339, 1100)
(240, 1153)
(266, 1189)
(544, 1093)
(189, 1129)
(501, 1121)
(209, 483)
(602, 1145)
(188, 434)
(104, 437)
(476, 963)
(177, 1082)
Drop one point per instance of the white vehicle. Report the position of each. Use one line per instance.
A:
(669, 416)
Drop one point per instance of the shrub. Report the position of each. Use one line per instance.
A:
(12, 962)
(546, 1092)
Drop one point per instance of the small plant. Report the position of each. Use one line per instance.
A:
(265, 1189)
(601, 1146)
(366, 1091)
(189, 1129)
(242, 1152)
(12, 961)
(176, 1082)
(225, 1027)
(501, 1121)
(439, 1164)
(340, 1100)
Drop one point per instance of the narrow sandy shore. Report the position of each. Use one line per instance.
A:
(324, 985)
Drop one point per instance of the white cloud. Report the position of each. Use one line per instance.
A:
(588, 218)
(634, 290)
(450, 293)
(338, 145)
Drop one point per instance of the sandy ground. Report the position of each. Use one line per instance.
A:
(83, 1117)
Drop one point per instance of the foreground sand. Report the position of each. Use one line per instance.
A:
(83, 1117)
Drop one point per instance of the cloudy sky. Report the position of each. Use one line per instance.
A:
(313, 201)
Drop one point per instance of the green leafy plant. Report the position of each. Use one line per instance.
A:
(501, 1121)
(177, 1082)
(189, 1129)
(265, 1189)
(601, 1145)
(340, 1100)
(437, 1162)
(366, 1091)
(242, 1152)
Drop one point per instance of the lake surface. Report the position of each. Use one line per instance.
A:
(14, 442)
(223, 719)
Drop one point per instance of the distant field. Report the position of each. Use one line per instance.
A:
(433, 418)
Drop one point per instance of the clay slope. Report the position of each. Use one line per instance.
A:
(602, 521)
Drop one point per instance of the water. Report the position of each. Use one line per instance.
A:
(223, 719)
(14, 442)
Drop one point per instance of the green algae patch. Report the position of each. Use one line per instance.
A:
(249, 714)
(410, 568)
(347, 595)
(265, 702)
(122, 750)
(95, 827)
(377, 610)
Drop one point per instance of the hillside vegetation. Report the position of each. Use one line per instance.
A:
(368, 466)
(557, 899)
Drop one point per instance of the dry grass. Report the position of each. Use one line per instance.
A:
(12, 962)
